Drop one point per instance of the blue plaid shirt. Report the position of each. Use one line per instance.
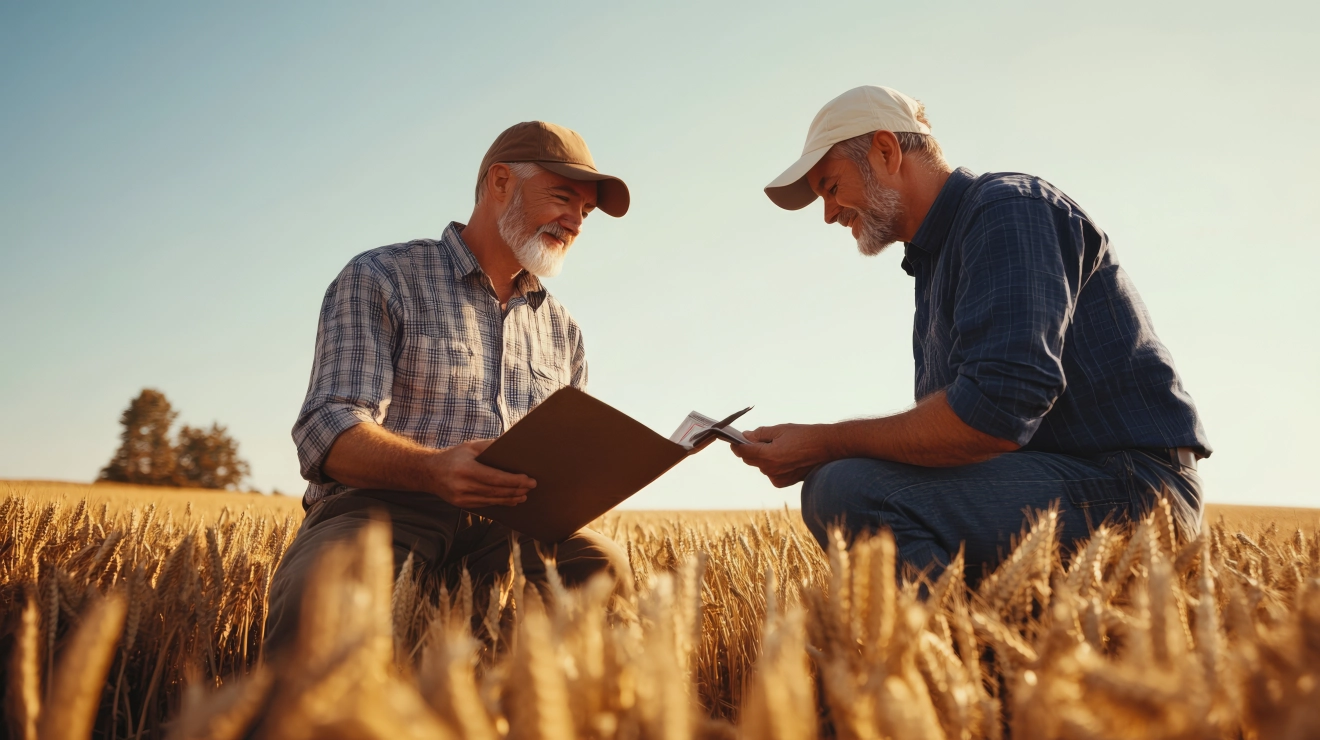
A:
(412, 337)
(1037, 335)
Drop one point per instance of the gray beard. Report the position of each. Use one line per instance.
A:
(528, 248)
(879, 217)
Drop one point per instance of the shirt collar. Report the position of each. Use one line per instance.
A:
(935, 226)
(464, 264)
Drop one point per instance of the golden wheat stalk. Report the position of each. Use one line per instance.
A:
(79, 680)
(1137, 635)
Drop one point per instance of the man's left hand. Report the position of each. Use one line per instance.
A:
(785, 453)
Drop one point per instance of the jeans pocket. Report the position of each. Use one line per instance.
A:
(1154, 477)
(1110, 487)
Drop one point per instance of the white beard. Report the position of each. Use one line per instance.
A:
(527, 244)
(880, 216)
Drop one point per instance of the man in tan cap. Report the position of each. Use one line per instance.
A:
(1039, 378)
(428, 350)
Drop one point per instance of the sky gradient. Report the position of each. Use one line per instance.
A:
(178, 185)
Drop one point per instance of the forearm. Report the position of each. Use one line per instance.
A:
(370, 456)
(930, 434)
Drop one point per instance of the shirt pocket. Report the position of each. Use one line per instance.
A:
(547, 377)
(442, 367)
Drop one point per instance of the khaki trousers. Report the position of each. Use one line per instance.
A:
(443, 540)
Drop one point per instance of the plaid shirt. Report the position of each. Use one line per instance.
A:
(1037, 335)
(412, 337)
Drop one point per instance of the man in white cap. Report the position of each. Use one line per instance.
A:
(1039, 378)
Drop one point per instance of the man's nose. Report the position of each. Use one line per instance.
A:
(571, 223)
(832, 211)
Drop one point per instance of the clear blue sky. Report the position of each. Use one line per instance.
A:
(179, 183)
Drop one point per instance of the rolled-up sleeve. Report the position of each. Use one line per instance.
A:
(352, 371)
(1014, 303)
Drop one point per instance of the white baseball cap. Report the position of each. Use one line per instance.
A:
(859, 111)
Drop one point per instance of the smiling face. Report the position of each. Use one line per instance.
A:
(543, 216)
(855, 199)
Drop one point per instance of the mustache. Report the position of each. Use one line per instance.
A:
(559, 232)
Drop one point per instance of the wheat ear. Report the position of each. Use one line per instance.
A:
(80, 678)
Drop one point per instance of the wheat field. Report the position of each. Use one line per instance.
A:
(138, 613)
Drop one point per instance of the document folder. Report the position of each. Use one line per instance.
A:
(586, 457)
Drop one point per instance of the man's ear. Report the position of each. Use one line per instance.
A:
(499, 181)
(885, 154)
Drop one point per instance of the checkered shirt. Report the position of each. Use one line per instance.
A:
(412, 337)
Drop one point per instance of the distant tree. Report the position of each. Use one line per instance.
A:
(208, 458)
(145, 454)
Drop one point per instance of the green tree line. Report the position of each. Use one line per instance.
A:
(196, 457)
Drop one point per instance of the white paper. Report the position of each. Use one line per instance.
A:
(695, 424)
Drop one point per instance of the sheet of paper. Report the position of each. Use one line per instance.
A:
(690, 432)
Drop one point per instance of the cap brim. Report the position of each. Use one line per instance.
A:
(790, 190)
(611, 193)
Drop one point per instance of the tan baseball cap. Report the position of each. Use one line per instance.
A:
(560, 150)
(859, 111)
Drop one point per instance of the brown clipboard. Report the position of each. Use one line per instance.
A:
(586, 458)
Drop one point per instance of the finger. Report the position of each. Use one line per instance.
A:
(780, 468)
(789, 478)
(784, 480)
(488, 476)
(480, 445)
(755, 435)
(494, 492)
(753, 458)
(473, 502)
(769, 464)
(769, 433)
(785, 469)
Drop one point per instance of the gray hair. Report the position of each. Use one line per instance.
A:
(920, 146)
(923, 147)
(520, 170)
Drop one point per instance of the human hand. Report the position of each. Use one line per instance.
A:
(784, 453)
(462, 481)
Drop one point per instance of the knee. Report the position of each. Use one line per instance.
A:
(831, 496)
(284, 604)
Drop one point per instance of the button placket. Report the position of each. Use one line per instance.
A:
(506, 351)
(494, 317)
(511, 359)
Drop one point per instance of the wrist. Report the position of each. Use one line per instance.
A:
(433, 471)
(830, 443)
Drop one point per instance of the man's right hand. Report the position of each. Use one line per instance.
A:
(462, 481)
(369, 456)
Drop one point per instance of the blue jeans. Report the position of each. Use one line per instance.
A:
(932, 511)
